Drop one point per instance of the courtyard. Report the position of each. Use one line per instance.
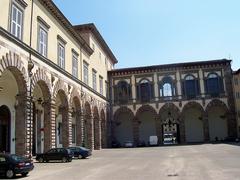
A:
(204, 161)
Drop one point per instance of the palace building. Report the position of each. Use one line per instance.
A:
(53, 79)
(59, 88)
(236, 82)
(193, 101)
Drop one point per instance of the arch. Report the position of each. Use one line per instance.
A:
(216, 102)
(193, 117)
(217, 113)
(146, 118)
(169, 107)
(40, 76)
(189, 77)
(75, 94)
(59, 86)
(123, 126)
(5, 129)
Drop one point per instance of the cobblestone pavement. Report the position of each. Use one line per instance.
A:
(207, 161)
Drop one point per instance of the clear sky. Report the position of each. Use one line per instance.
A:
(150, 32)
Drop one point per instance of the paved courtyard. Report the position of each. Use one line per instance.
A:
(207, 161)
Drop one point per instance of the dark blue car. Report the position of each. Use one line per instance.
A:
(80, 152)
(10, 165)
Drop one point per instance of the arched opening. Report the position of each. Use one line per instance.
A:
(5, 129)
(145, 90)
(103, 129)
(170, 124)
(62, 122)
(214, 84)
(123, 126)
(167, 88)
(122, 92)
(96, 122)
(76, 123)
(146, 117)
(88, 127)
(13, 96)
(41, 135)
(193, 117)
(217, 119)
(190, 86)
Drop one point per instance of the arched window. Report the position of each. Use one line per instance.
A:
(167, 87)
(144, 90)
(122, 92)
(190, 86)
(214, 85)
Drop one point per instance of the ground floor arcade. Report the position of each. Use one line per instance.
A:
(192, 123)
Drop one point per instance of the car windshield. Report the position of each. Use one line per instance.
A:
(17, 158)
(83, 148)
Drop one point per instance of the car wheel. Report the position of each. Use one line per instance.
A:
(64, 159)
(41, 160)
(70, 160)
(24, 174)
(80, 156)
(10, 173)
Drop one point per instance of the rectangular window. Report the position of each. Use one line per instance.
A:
(85, 73)
(16, 21)
(42, 41)
(94, 79)
(236, 81)
(101, 85)
(75, 65)
(106, 87)
(61, 55)
(73, 133)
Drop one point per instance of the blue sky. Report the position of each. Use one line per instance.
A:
(149, 32)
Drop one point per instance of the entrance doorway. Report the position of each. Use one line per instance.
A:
(5, 118)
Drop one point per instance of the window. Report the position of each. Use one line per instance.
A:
(16, 21)
(106, 87)
(236, 81)
(73, 133)
(122, 92)
(144, 90)
(101, 85)
(61, 55)
(214, 85)
(190, 86)
(75, 65)
(94, 79)
(167, 88)
(85, 73)
(42, 41)
(100, 55)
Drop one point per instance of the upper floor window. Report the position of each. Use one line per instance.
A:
(236, 81)
(101, 85)
(42, 41)
(167, 87)
(145, 90)
(85, 73)
(75, 65)
(122, 92)
(214, 84)
(100, 55)
(61, 55)
(94, 79)
(16, 21)
(190, 86)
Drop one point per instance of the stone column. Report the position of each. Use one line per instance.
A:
(21, 128)
(201, 78)
(91, 132)
(206, 127)
(159, 130)
(47, 125)
(65, 125)
(52, 122)
(79, 127)
(135, 130)
(69, 126)
(182, 130)
(156, 94)
(179, 90)
(134, 95)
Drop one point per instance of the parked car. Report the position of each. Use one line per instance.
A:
(128, 144)
(11, 164)
(153, 140)
(63, 154)
(115, 144)
(80, 152)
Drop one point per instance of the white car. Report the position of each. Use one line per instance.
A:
(128, 144)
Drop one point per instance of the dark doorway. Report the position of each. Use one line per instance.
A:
(5, 118)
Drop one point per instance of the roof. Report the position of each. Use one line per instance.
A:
(237, 71)
(92, 28)
(53, 9)
(172, 66)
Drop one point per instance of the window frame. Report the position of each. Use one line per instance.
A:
(220, 87)
(149, 91)
(60, 63)
(101, 85)
(85, 73)
(94, 79)
(196, 86)
(74, 65)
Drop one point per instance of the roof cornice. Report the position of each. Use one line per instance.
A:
(92, 28)
(58, 15)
